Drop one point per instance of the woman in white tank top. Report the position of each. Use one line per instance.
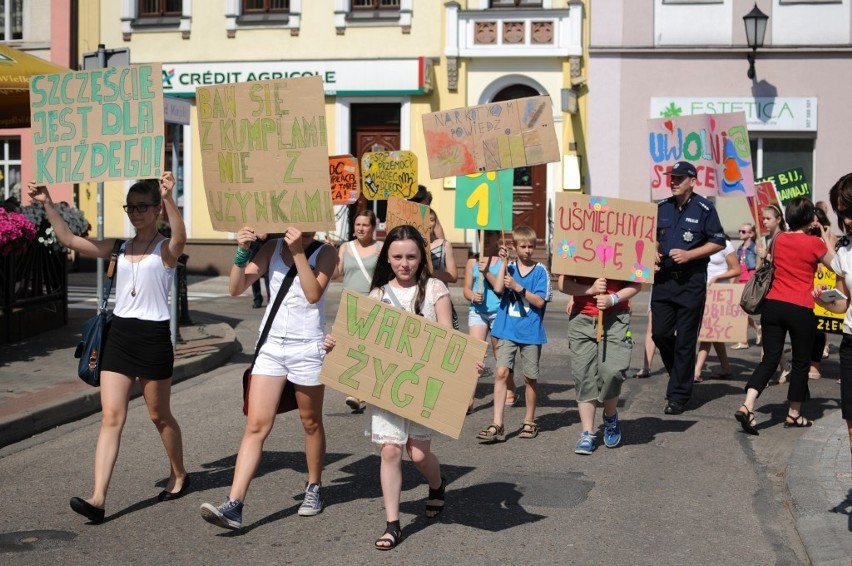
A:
(293, 352)
(139, 340)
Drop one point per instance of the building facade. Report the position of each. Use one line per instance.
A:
(653, 58)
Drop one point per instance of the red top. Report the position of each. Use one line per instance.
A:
(587, 304)
(796, 256)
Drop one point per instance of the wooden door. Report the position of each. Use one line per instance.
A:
(530, 203)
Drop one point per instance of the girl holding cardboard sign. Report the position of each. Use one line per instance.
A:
(139, 340)
(402, 279)
(293, 352)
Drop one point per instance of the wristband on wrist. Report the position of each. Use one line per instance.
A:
(614, 298)
(241, 257)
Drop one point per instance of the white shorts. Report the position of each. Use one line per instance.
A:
(299, 361)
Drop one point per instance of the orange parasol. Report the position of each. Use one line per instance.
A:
(16, 68)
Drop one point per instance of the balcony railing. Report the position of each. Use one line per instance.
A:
(515, 33)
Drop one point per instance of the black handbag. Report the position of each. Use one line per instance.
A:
(757, 287)
(94, 333)
(288, 396)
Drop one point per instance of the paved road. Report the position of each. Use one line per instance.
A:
(691, 489)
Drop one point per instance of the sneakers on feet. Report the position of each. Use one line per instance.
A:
(586, 444)
(228, 515)
(612, 431)
(312, 505)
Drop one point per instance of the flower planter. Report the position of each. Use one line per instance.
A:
(33, 293)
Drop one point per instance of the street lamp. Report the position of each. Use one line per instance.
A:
(755, 25)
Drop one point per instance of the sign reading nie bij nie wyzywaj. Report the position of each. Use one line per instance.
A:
(264, 155)
(98, 125)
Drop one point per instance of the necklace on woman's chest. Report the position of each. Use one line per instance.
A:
(134, 266)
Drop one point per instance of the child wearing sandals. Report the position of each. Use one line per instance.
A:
(402, 279)
(599, 367)
(480, 276)
(525, 290)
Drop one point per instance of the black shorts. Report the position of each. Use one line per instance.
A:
(846, 377)
(139, 348)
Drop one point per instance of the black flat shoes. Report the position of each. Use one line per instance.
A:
(86, 509)
(169, 495)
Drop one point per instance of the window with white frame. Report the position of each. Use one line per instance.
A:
(155, 16)
(372, 12)
(10, 167)
(516, 3)
(262, 13)
(11, 20)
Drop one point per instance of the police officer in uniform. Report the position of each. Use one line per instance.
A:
(688, 233)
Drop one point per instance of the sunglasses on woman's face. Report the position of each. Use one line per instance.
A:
(745, 231)
(141, 208)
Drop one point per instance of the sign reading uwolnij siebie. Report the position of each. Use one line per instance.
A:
(98, 125)
(604, 237)
(403, 363)
(264, 155)
(490, 137)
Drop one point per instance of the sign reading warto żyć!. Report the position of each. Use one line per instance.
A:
(98, 125)
(264, 155)
(490, 137)
(402, 363)
(604, 237)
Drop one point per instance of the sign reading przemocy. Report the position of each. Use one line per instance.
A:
(264, 155)
(403, 363)
(98, 125)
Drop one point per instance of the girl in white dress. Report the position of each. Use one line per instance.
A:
(402, 279)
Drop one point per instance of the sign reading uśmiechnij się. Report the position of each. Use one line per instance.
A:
(98, 125)
(264, 155)
(403, 363)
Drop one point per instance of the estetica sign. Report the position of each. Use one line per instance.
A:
(763, 114)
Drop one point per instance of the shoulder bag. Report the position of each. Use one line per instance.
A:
(94, 333)
(288, 396)
(756, 288)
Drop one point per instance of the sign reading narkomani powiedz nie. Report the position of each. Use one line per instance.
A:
(403, 363)
(98, 125)
(264, 155)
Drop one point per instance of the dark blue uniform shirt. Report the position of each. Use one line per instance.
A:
(692, 227)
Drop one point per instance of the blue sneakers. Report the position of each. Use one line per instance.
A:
(586, 444)
(312, 504)
(228, 515)
(612, 431)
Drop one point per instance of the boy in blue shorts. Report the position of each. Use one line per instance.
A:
(525, 290)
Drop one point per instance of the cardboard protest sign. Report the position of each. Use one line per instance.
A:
(790, 184)
(345, 180)
(764, 195)
(484, 200)
(724, 320)
(490, 137)
(401, 211)
(402, 363)
(98, 125)
(389, 173)
(604, 237)
(264, 155)
(718, 146)
(827, 321)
